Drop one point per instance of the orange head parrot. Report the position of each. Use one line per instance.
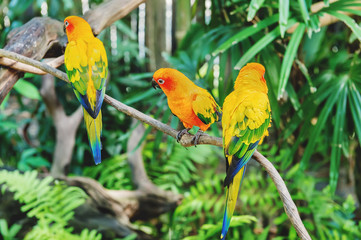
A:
(193, 105)
(87, 68)
(246, 118)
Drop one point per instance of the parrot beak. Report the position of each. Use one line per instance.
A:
(155, 84)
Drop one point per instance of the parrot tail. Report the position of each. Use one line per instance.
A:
(94, 129)
(231, 199)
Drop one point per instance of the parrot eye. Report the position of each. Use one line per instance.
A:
(161, 81)
(66, 24)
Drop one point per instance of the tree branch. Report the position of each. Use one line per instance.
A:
(95, 17)
(289, 205)
(35, 38)
(55, 63)
(65, 126)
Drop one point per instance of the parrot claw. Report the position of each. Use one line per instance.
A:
(196, 137)
(181, 133)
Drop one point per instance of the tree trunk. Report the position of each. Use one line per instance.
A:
(156, 33)
(182, 19)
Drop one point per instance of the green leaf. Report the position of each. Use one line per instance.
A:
(312, 46)
(304, 10)
(289, 57)
(8, 125)
(245, 33)
(315, 23)
(141, 96)
(355, 106)
(284, 9)
(305, 73)
(261, 44)
(124, 28)
(338, 134)
(253, 8)
(272, 64)
(4, 228)
(294, 99)
(256, 48)
(343, 5)
(317, 129)
(326, 2)
(27, 89)
(351, 23)
(3, 104)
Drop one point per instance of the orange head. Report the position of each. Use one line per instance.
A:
(77, 27)
(169, 79)
(251, 76)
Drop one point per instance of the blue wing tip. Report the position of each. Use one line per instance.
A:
(223, 234)
(97, 161)
(226, 222)
(97, 154)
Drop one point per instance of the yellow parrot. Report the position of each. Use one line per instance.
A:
(87, 68)
(246, 118)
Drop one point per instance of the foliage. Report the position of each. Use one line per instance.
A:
(181, 168)
(324, 216)
(52, 206)
(313, 76)
(113, 173)
(208, 231)
(319, 59)
(9, 233)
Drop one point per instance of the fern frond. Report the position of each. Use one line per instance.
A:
(44, 231)
(50, 201)
(181, 167)
(114, 173)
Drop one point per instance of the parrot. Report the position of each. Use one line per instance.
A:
(193, 105)
(86, 65)
(245, 122)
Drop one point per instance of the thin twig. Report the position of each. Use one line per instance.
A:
(289, 205)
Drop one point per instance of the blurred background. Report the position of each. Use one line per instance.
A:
(310, 50)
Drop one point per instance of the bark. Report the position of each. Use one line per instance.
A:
(42, 35)
(33, 40)
(200, 11)
(65, 126)
(182, 18)
(160, 200)
(114, 9)
(107, 211)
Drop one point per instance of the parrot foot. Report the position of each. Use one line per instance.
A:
(181, 133)
(196, 137)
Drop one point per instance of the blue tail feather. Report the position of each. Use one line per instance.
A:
(227, 217)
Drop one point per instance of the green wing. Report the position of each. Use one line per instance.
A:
(245, 120)
(206, 108)
(87, 67)
(245, 124)
(98, 63)
(99, 70)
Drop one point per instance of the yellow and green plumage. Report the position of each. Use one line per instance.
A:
(87, 68)
(246, 118)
